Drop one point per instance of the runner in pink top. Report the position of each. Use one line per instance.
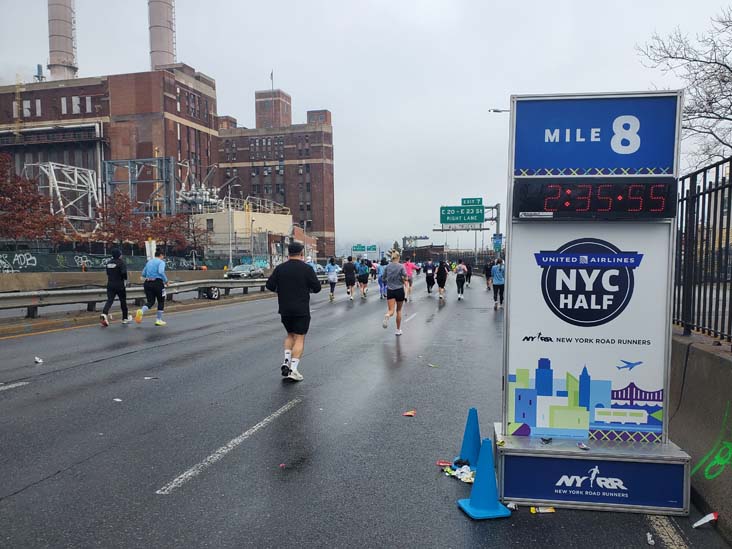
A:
(409, 267)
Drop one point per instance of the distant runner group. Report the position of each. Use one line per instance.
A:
(294, 281)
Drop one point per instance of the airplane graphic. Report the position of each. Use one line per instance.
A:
(628, 365)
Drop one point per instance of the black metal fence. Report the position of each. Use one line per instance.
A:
(703, 262)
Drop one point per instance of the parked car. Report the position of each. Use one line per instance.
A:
(244, 271)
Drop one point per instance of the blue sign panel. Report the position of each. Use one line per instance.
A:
(598, 136)
(591, 481)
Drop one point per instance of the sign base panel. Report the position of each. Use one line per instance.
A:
(610, 476)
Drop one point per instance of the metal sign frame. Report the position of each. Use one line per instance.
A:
(509, 245)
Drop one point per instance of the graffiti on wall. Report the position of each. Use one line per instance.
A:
(720, 455)
(15, 262)
(24, 261)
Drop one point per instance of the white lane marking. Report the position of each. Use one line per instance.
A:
(197, 469)
(666, 532)
(410, 317)
(13, 385)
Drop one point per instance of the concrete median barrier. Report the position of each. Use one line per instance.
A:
(700, 420)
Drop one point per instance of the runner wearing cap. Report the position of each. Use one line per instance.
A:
(294, 281)
(498, 278)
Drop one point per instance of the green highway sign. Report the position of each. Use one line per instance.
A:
(358, 248)
(472, 201)
(371, 248)
(462, 214)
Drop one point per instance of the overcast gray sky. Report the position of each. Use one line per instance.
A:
(409, 82)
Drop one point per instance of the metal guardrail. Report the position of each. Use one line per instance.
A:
(92, 296)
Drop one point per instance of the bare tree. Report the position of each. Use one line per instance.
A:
(704, 63)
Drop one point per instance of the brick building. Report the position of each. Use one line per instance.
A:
(83, 121)
(291, 164)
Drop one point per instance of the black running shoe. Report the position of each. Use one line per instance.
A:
(285, 369)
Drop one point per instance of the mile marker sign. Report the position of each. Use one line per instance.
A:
(592, 193)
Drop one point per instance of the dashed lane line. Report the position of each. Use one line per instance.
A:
(665, 531)
(13, 385)
(219, 454)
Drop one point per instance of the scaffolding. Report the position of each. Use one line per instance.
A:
(157, 172)
(74, 192)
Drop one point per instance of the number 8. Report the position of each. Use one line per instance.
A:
(629, 135)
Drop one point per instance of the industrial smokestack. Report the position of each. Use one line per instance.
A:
(62, 39)
(161, 16)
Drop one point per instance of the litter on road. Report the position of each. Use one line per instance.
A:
(649, 539)
(443, 463)
(282, 465)
(512, 506)
(705, 519)
(149, 377)
(546, 440)
(38, 360)
(583, 446)
(410, 413)
(463, 473)
(433, 365)
(539, 510)
(117, 399)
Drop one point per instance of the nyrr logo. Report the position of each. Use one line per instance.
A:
(596, 481)
(587, 282)
(539, 337)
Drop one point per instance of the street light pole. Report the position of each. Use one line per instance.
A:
(251, 239)
(230, 214)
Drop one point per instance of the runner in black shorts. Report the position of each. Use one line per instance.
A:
(395, 276)
(294, 281)
(349, 273)
(441, 277)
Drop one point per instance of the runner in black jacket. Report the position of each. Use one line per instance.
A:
(293, 281)
(116, 278)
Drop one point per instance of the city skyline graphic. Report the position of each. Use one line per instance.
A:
(580, 406)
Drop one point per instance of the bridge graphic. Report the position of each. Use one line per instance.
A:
(633, 394)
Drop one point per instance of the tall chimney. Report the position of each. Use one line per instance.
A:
(62, 39)
(161, 16)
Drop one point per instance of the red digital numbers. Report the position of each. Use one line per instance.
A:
(607, 199)
(558, 189)
(584, 200)
(633, 191)
(660, 200)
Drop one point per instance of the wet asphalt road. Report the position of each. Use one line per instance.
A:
(79, 469)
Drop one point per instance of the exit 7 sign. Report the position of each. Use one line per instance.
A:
(471, 201)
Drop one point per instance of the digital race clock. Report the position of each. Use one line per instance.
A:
(594, 198)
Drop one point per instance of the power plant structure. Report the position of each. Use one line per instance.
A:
(62, 39)
(157, 135)
(161, 16)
